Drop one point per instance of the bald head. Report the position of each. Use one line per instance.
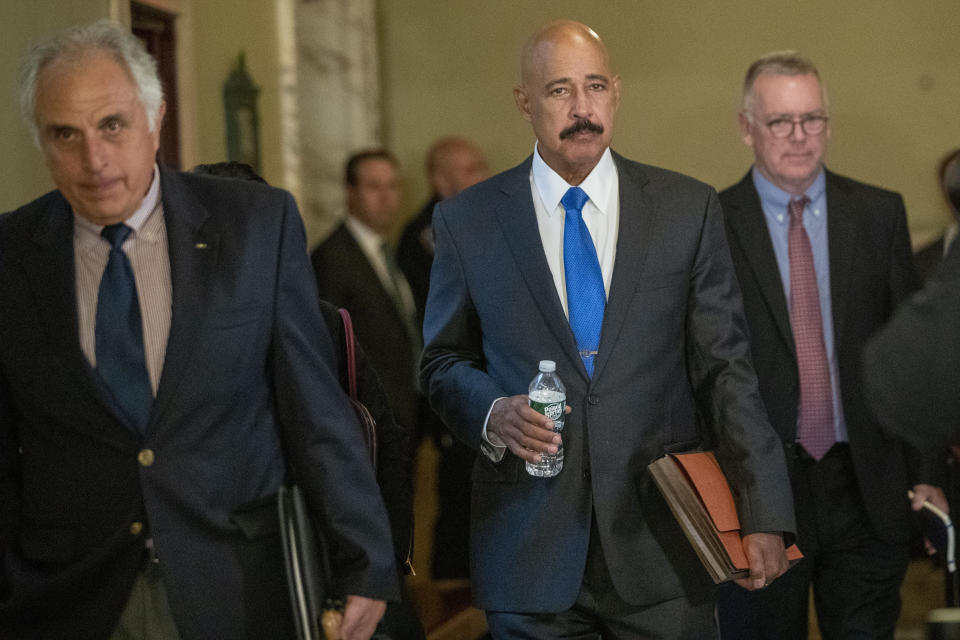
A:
(570, 95)
(453, 164)
(541, 45)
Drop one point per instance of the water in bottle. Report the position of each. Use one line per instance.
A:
(549, 397)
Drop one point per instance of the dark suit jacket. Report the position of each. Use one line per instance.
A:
(673, 373)
(247, 375)
(871, 271)
(415, 254)
(346, 279)
(394, 466)
(912, 366)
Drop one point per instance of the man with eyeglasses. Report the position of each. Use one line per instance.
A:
(822, 260)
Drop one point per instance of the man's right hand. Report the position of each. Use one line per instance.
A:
(526, 432)
(360, 617)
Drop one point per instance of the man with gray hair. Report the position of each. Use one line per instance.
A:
(822, 261)
(163, 367)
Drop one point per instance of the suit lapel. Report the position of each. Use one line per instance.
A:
(638, 211)
(745, 217)
(51, 273)
(193, 244)
(518, 219)
(50, 270)
(841, 232)
(373, 282)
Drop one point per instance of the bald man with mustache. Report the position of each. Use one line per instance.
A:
(644, 320)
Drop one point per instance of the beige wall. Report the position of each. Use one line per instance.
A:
(449, 67)
(22, 172)
(891, 68)
(221, 29)
(210, 35)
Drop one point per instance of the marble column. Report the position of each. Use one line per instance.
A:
(331, 88)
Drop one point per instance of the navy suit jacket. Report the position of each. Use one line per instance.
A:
(871, 271)
(672, 374)
(247, 376)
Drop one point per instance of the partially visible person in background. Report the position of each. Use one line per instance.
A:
(929, 258)
(229, 169)
(453, 164)
(912, 366)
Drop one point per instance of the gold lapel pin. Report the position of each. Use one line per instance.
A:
(201, 245)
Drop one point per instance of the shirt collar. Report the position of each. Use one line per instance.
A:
(366, 237)
(597, 185)
(90, 232)
(776, 199)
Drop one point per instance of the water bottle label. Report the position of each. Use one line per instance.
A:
(553, 410)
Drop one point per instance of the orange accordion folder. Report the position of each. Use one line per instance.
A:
(697, 493)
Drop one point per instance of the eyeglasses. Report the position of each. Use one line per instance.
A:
(783, 127)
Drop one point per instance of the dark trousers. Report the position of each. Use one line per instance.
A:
(600, 613)
(147, 615)
(451, 534)
(855, 576)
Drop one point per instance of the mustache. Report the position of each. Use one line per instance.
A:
(581, 125)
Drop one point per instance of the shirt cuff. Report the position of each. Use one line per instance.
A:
(490, 443)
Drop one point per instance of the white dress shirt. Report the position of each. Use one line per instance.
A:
(371, 243)
(601, 214)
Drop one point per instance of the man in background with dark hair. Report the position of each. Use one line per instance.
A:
(356, 269)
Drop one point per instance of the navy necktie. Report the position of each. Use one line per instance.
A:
(119, 332)
(586, 298)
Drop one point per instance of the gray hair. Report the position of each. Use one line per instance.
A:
(71, 44)
(780, 63)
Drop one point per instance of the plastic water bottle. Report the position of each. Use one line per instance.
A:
(549, 397)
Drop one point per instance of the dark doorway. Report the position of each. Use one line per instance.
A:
(156, 29)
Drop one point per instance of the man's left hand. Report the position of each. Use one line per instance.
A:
(360, 617)
(767, 557)
(933, 495)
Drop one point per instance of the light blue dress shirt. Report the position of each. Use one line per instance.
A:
(774, 201)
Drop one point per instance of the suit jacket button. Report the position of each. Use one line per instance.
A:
(145, 457)
(586, 474)
(136, 528)
(593, 399)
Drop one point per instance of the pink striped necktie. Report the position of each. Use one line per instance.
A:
(815, 421)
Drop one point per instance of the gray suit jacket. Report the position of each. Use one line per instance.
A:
(673, 373)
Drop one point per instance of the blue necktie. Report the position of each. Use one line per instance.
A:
(585, 295)
(119, 332)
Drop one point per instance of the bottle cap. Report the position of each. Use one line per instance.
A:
(548, 366)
